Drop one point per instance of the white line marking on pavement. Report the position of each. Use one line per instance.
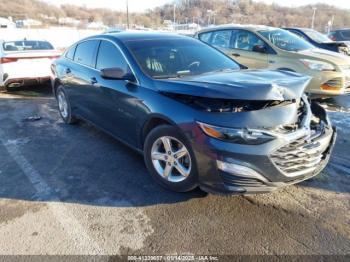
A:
(70, 224)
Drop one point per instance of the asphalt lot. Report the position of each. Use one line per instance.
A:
(75, 190)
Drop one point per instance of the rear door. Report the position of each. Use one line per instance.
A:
(79, 76)
(244, 46)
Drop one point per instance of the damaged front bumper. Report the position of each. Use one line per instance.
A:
(291, 158)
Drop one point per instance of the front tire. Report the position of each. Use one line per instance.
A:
(170, 159)
(64, 106)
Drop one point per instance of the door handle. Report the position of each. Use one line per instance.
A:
(93, 80)
(236, 55)
(68, 71)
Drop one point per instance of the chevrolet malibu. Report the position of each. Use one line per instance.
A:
(198, 119)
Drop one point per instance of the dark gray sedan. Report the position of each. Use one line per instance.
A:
(195, 115)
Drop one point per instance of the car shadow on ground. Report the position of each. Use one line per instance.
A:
(80, 164)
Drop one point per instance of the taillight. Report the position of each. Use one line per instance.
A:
(5, 60)
(54, 57)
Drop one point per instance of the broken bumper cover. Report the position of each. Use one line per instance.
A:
(242, 169)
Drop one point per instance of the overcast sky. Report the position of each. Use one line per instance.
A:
(142, 5)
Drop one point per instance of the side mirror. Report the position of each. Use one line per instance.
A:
(243, 66)
(117, 74)
(259, 49)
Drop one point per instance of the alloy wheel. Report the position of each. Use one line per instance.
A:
(171, 159)
(62, 104)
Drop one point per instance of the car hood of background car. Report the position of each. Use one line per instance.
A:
(241, 85)
(326, 56)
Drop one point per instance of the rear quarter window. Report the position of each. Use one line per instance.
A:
(70, 52)
(205, 37)
(345, 34)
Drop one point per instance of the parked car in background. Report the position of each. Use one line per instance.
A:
(25, 62)
(195, 116)
(320, 40)
(274, 48)
(340, 34)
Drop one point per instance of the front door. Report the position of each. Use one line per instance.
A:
(247, 49)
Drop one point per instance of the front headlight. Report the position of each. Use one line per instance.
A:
(317, 65)
(238, 136)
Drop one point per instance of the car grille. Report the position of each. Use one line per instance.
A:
(238, 181)
(300, 157)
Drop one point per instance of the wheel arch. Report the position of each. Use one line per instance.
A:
(55, 85)
(152, 122)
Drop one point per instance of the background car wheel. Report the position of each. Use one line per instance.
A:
(170, 160)
(3, 89)
(64, 106)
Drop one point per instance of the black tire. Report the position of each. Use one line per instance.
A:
(191, 181)
(69, 118)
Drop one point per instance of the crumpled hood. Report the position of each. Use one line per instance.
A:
(241, 85)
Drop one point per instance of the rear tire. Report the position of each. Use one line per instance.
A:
(64, 106)
(171, 164)
(3, 89)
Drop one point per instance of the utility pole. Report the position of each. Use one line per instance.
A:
(127, 14)
(313, 18)
(174, 22)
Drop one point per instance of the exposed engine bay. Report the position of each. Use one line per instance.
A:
(226, 105)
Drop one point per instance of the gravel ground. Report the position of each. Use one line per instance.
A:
(68, 190)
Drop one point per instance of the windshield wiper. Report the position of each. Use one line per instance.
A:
(178, 75)
(220, 70)
(174, 76)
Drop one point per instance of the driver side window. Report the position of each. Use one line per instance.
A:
(110, 57)
(246, 40)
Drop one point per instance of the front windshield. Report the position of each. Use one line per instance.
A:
(285, 40)
(177, 57)
(317, 36)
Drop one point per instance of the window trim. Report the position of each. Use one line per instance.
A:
(96, 50)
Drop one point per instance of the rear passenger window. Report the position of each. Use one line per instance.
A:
(221, 38)
(85, 51)
(205, 37)
(346, 34)
(109, 56)
(70, 52)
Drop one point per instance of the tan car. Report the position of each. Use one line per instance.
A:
(274, 48)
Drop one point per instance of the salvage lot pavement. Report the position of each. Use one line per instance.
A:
(75, 190)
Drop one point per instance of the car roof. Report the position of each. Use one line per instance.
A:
(340, 29)
(298, 28)
(238, 26)
(126, 36)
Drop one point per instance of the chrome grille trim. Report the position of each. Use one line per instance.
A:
(300, 157)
